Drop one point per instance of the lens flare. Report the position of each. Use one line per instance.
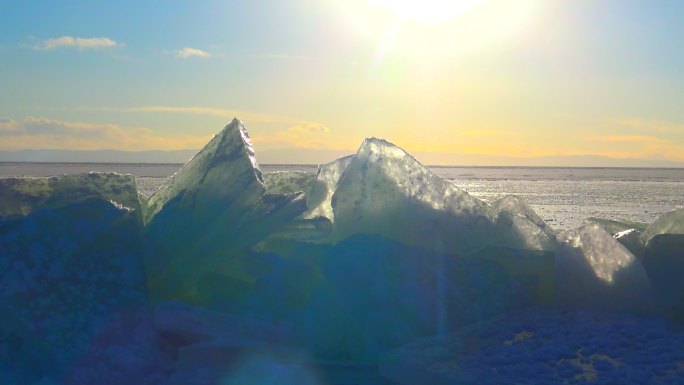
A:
(428, 11)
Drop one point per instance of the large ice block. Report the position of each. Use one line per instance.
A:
(74, 295)
(668, 223)
(22, 196)
(593, 269)
(385, 191)
(224, 175)
(208, 213)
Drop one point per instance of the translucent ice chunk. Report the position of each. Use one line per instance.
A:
(318, 201)
(594, 269)
(534, 231)
(212, 210)
(516, 206)
(223, 175)
(668, 223)
(385, 191)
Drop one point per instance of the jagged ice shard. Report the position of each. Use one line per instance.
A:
(319, 200)
(387, 192)
(201, 221)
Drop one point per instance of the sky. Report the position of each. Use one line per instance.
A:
(491, 79)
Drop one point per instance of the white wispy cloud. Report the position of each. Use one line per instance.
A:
(189, 52)
(311, 128)
(77, 42)
(651, 125)
(8, 125)
(45, 133)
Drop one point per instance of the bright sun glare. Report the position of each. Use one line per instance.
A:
(428, 11)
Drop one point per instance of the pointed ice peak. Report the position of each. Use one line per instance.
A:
(385, 162)
(381, 147)
(385, 191)
(237, 123)
(224, 167)
(230, 135)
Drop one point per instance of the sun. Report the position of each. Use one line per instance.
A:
(428, 11)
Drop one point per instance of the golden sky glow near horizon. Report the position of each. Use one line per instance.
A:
(497, 78)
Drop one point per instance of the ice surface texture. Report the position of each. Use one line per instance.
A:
(544, 347)
(287, 182)
(22, 196)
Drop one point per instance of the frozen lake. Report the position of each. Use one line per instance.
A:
(563, 197)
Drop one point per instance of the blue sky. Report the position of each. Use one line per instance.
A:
(514, 78)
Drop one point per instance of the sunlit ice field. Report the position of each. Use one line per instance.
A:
(341, 192)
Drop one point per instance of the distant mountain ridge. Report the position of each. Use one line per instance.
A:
(312, 156)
